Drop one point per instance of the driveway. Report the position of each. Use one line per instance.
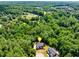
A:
(39, 55)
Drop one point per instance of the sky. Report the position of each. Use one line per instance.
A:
(39, 0)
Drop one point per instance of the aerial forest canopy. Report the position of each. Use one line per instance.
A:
(57, 23)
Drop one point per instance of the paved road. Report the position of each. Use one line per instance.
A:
(39, 55)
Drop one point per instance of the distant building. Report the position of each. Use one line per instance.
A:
(64, 7)
(44, 13)
(52, 52)
(40, 45)
(39, 8)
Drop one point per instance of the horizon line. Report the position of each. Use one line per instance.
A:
(40, 0)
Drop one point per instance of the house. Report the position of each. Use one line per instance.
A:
(52, 52)
(40, 45)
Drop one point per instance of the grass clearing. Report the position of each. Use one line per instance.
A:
(29, 16)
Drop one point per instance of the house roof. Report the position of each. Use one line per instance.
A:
(38, 45)
(52, 52)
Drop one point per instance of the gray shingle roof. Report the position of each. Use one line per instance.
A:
(52, 52)
(39, 45)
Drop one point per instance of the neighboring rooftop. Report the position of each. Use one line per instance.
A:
(52, 52)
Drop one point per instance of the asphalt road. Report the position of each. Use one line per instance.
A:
(39, 55)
